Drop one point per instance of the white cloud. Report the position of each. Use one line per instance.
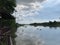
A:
(29, 20)
(31, 8)
(27, 8)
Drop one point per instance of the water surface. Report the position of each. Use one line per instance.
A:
(30, 35)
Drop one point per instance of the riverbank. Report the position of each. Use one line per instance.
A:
(49, 24)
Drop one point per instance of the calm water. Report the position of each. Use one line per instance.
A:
(30, 35)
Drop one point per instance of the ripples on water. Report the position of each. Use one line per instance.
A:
(30, 35)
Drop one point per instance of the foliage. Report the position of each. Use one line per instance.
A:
(12, 26)
(50, 24)
(7, 6)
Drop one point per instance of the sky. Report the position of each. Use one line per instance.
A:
(30, 11)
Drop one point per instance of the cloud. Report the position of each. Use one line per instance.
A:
(27, 8)
(28, 1)
(28, 37)
(30, 10)
(30, 19)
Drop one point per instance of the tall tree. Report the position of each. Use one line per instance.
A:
(6, 8)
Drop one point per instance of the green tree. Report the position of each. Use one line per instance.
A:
(7, 7)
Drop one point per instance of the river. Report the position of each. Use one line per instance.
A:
(30, 35)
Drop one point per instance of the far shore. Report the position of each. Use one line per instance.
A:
(50, 24)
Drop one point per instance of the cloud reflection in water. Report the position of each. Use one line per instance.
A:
(27, 37)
